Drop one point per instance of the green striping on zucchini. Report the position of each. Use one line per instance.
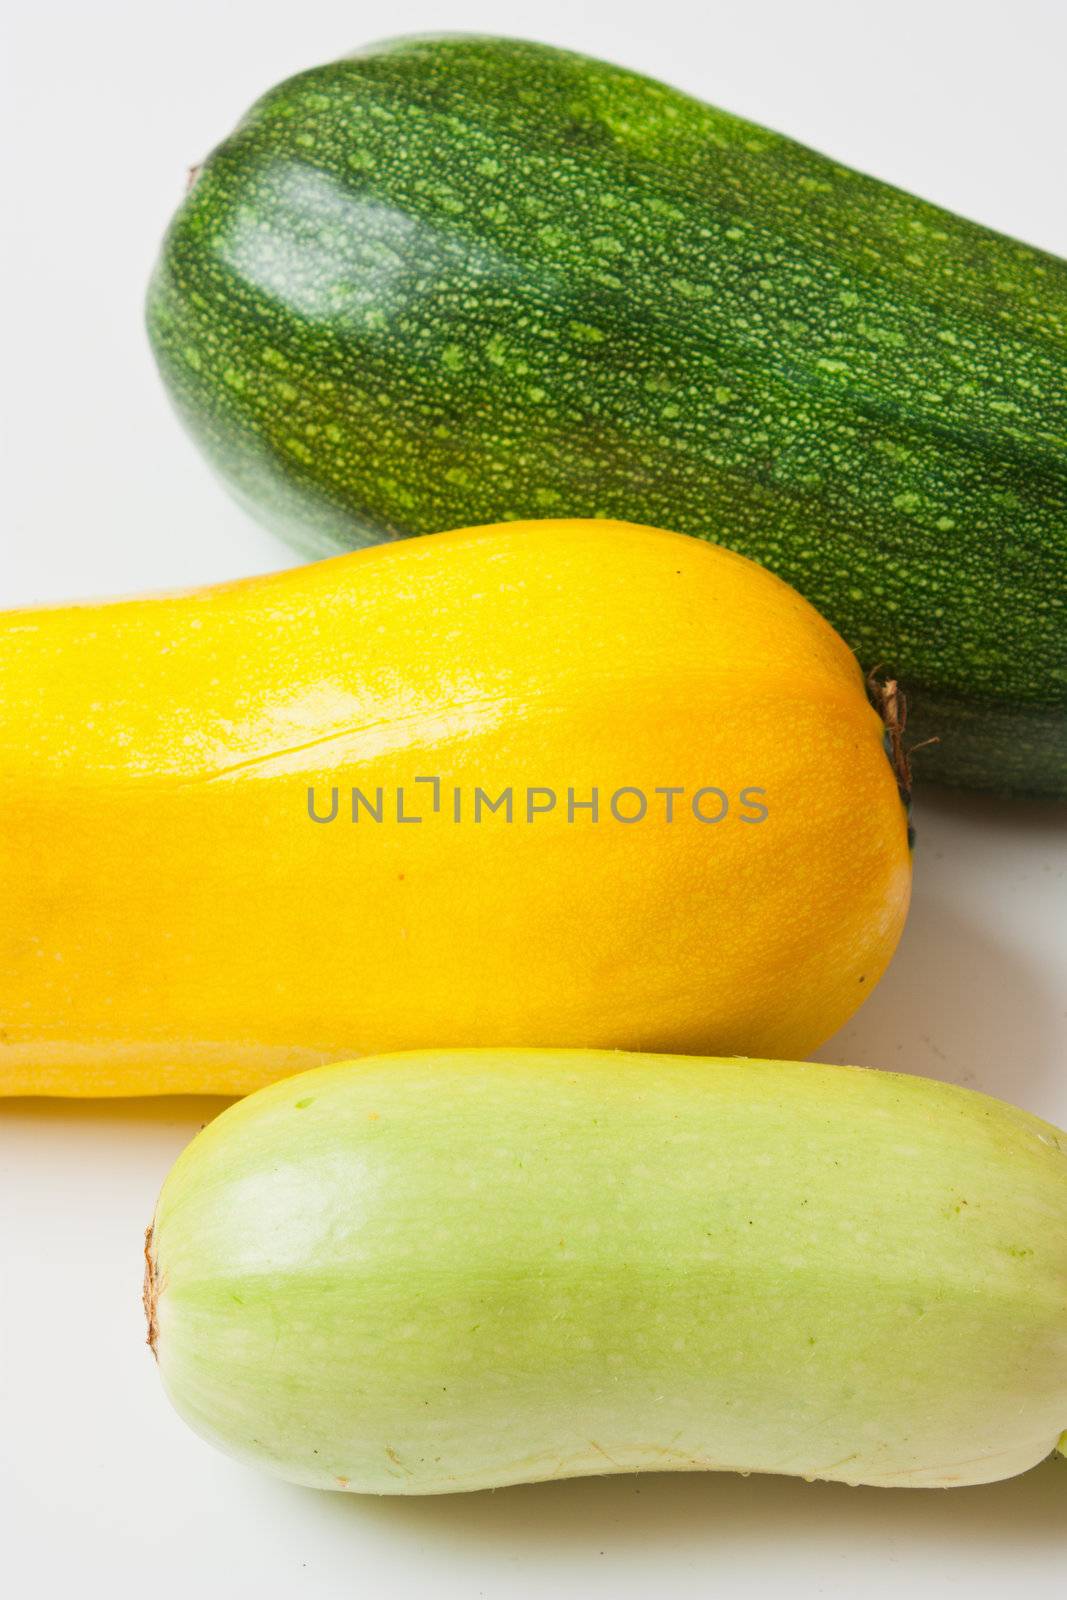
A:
(452, 281)
(456, 1269)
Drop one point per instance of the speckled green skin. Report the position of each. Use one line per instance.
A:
(457, 280)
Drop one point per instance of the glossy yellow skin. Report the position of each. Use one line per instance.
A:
(173, 921)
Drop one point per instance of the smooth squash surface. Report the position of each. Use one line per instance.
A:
(172, 919)
(455, 280)
(454, 1270)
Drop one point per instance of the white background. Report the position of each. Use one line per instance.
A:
(102, 1489)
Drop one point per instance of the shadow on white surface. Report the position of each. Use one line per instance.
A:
(639, 1512)
(187, 1114)
(975, 994)
(960, 1005)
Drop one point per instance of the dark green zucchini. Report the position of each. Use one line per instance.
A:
(457, 280)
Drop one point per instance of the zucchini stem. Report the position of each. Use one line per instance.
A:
(150, 1293)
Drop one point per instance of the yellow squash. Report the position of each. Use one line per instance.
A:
(174, 918)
